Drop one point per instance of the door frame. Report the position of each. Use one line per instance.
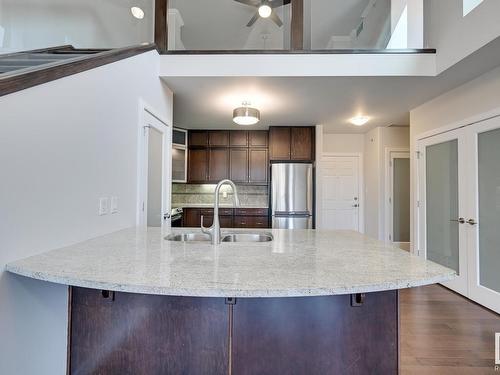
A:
(327, 156)
(389, 188)
(142, 157)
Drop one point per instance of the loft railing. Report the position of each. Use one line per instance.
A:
(214, 26)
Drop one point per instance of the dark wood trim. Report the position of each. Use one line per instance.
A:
(297, 25)
(25, 78)
(161, 26)
(306, 52)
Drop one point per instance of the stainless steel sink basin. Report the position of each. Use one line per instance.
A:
(248, 237)
(188, 237)
(226, 237)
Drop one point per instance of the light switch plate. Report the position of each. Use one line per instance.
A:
(103, 206)
(114, 205)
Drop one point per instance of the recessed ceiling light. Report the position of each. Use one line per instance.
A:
(137, 12)
(359, 120)
(265, 11)
(246, 115)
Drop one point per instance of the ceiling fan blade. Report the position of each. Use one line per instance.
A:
(276, 19)
(253, 20)
(278, 3)
(252, 3)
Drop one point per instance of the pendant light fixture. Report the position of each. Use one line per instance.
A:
(246, 115)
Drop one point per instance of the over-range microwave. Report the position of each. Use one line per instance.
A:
(179, 155)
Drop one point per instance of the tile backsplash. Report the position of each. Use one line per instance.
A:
(191, 194)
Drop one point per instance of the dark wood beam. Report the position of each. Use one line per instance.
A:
(297, 28)
(161, 27)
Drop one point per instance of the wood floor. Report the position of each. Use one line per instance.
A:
(443, 333)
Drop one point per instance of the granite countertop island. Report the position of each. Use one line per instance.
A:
(297, 263)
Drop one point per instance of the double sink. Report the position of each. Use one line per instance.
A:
(226, 237)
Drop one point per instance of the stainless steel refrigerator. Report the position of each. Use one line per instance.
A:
(292, 195)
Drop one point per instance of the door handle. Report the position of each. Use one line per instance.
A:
(355, 205)
(166, 216)
(472, 222)
(460, 220)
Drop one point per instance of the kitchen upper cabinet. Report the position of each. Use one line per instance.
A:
(197, 165)
(302, 144)
(291, 143)
(239, 165)
(238, 138)
(279, 143)
(198, 138)
(218, 165)
(258, 166)
(218, 138)
(258, 138)
(240, 155)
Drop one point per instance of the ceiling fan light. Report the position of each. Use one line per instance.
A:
(246, 116)
(137, 12)
(265, 11)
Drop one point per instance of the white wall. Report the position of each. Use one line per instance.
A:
(63, 145)
(343, 143)
(455, 36)
(31, 24)
(463, 105)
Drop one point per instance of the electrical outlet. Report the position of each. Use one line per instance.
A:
(114, 205)
(224, 194)
(103, 206)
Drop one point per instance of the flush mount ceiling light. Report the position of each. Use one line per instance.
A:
(246, 115)
(265, 11)
(359, 120)
(137, 12)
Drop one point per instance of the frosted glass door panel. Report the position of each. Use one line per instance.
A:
(442, 204)
(489, 209)
(401, 194)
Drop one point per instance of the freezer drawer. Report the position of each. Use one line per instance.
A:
(292, 222)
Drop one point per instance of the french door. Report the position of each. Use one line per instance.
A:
(459, 208)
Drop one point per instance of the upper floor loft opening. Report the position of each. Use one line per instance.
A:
(216, 26)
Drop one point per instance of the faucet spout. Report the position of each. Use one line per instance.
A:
(214, 230)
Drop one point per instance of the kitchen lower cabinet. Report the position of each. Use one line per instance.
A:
(228, 218)
(128, 333)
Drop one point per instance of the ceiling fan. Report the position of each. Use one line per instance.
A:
(265, 9)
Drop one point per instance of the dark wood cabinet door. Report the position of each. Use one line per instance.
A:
(218, 138)
(191, 218)
(302, 144)
(258, 166)
(198, 165)
(198, 138)
(258, 138)
(251, 222)
(218, 168)
(239, 165)
(279, 143)
(226, 221)
(238, 138)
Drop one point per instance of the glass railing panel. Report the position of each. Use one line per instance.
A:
(351, 24)
(202, 25)
(37, 24)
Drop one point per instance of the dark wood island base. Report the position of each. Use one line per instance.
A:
(124, 333)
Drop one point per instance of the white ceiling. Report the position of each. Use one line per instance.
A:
(208, 102)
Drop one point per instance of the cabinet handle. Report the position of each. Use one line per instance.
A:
(472, 222)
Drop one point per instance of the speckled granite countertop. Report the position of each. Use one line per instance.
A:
(296, 263)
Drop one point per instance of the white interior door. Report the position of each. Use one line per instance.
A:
(483, 216)
(340, 193)
(443, 204)
(156, 179)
